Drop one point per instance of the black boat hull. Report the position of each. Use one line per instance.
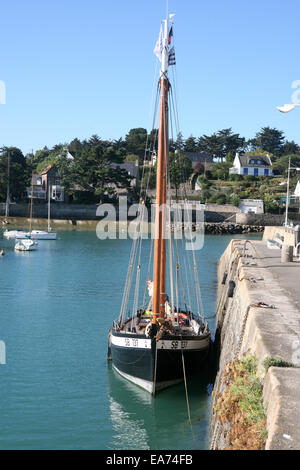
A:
(155, 365)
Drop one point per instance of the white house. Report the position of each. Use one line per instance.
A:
(255, 165)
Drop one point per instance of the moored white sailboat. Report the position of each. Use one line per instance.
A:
(12, 234)
(39, 234)
(161, 345)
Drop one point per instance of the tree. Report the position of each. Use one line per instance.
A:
(179, 143)
(191, 144)
(289, 148)
(281, 164)
(148, 180)
(136, 142)
(211, 144)
(92, 169)
(180, 169)
(131, 157)
(19, 175)
(269, 139)
(40, 156)
(221, 143)
(231, 143)
(75, 146)
(220, 170)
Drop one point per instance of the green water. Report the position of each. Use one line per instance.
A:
(57, 390)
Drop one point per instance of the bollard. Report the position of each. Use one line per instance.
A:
(287, 253)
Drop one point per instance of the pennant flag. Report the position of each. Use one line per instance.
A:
(170, 35)
(159, 44)
(172, 59)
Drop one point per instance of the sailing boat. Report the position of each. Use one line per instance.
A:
(27, 243)
(40, 234)
(159, 346)
(9, 233)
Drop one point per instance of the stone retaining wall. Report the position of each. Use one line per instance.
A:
(259, 318)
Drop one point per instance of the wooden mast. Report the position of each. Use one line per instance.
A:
(159, 270)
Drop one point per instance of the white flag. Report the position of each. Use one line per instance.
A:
(159, 44)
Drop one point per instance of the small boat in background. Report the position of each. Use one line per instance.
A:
(9, 234)
(26, 245)
(39, 234)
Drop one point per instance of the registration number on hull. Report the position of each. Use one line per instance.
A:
(182, 344)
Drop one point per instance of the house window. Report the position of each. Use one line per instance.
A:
(255, 171)
(245, 171)
(266, 172)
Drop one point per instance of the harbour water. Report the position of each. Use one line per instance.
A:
(57, 390)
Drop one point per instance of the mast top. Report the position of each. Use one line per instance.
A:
(161, 49)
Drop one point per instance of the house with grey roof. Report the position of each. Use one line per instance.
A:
(254, 165)
(197, 158)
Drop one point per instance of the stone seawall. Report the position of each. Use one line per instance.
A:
(258, 314)
(286, 233)
(214, 213)
(58, 211)
(212, 228)
(260, 219)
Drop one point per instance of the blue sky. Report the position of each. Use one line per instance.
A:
(76, 68)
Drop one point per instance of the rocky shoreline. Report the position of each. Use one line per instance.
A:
(213, 228)
(222, 228)
(219, 228)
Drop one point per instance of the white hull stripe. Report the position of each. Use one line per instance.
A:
(143, 343)
(127, 342)
(145, 384)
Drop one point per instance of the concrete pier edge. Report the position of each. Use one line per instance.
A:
(262, 318)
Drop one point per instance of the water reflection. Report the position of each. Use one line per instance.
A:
(140, 421)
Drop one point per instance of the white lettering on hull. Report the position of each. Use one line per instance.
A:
(127, 342)
(173, 345)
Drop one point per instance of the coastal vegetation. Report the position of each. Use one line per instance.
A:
(276, 362)
(240, 407)
(90, 173)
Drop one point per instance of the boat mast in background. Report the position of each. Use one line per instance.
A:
(7, 192)
(49, 228)
(31, 202)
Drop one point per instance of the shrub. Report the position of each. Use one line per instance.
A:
(276, 362)
(234, 200)
(241, 405)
